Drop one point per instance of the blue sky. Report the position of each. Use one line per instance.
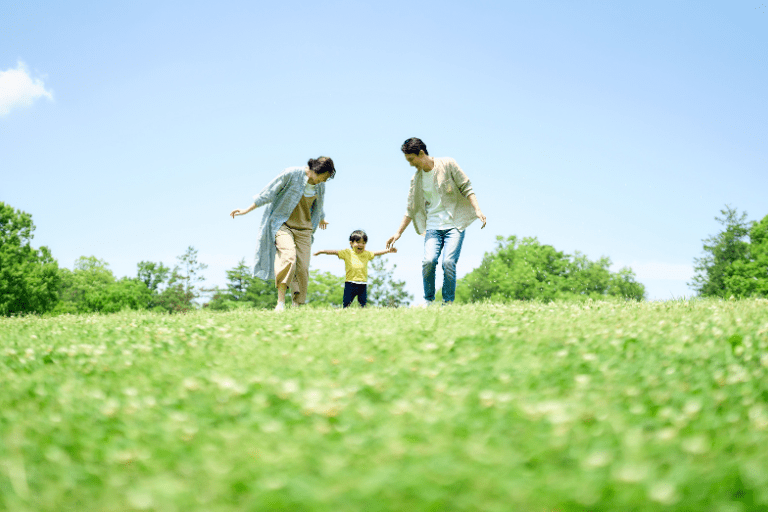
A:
(129, 130)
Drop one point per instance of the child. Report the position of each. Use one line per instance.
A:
(356, 260)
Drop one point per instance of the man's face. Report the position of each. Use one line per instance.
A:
(418, 161)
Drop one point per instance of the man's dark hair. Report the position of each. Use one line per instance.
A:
(412, 147)
(358, 235)
(321, 165)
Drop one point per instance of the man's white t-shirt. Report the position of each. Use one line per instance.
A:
(437, 216)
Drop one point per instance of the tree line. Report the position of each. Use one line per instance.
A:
(31, 281)
(243, 290)
(735, 263)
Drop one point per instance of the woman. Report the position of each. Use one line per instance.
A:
(285, 237)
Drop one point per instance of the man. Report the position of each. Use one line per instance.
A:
(441, 204)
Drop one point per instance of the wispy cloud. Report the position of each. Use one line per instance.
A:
(18, 89)
(658, 270)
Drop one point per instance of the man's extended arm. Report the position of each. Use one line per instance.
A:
(404, 224)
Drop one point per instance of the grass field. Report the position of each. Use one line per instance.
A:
(602, 406)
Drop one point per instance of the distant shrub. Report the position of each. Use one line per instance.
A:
(527, 270)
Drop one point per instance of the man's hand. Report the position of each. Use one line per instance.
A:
(394, 238)
(478, 213)
(481, 217)
(323, 224)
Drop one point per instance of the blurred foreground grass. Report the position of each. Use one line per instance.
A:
(601, 406)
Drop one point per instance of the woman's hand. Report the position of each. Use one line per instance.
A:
(241, 211)
(323, 224)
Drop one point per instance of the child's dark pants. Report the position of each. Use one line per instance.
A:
(352, 290)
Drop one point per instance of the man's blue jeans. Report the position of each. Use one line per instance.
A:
(447, 241)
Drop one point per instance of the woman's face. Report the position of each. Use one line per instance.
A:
(315, 178)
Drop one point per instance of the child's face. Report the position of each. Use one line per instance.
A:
(358, 245)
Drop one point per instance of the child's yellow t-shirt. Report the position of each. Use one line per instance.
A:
(356, 265)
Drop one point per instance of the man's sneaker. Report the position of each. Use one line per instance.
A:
(280, 307)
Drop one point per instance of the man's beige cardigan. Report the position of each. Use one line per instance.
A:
(454, 188)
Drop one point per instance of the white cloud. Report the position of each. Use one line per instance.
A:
(658, 270)
(18, 89)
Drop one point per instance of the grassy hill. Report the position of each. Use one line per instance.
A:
(531, 407)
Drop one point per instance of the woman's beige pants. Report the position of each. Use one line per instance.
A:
(294, 247)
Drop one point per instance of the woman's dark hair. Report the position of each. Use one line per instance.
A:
(357, 235)
(322, 165)
(412, 147)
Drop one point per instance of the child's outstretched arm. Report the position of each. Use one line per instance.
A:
(332, 252)
(385, 251)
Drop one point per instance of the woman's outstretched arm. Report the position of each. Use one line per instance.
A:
(242, 211)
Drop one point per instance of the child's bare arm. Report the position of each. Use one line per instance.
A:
(385, 251)
(332, 252)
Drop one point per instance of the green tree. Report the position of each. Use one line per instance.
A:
(383, 289)
(527, 270)
(83, 289)
(522, 270)
(624, 284)
(189, 272)
(127, 293)
(748, 276)
(91, 287)
(174, 299)
(720, 252)
(182, 285)
(29, 277)
(260, 293)
(586, 277)
(325, 289)
(152, 274)
(244, 290)
(240, 279)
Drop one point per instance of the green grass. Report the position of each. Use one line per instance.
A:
(602, 406)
